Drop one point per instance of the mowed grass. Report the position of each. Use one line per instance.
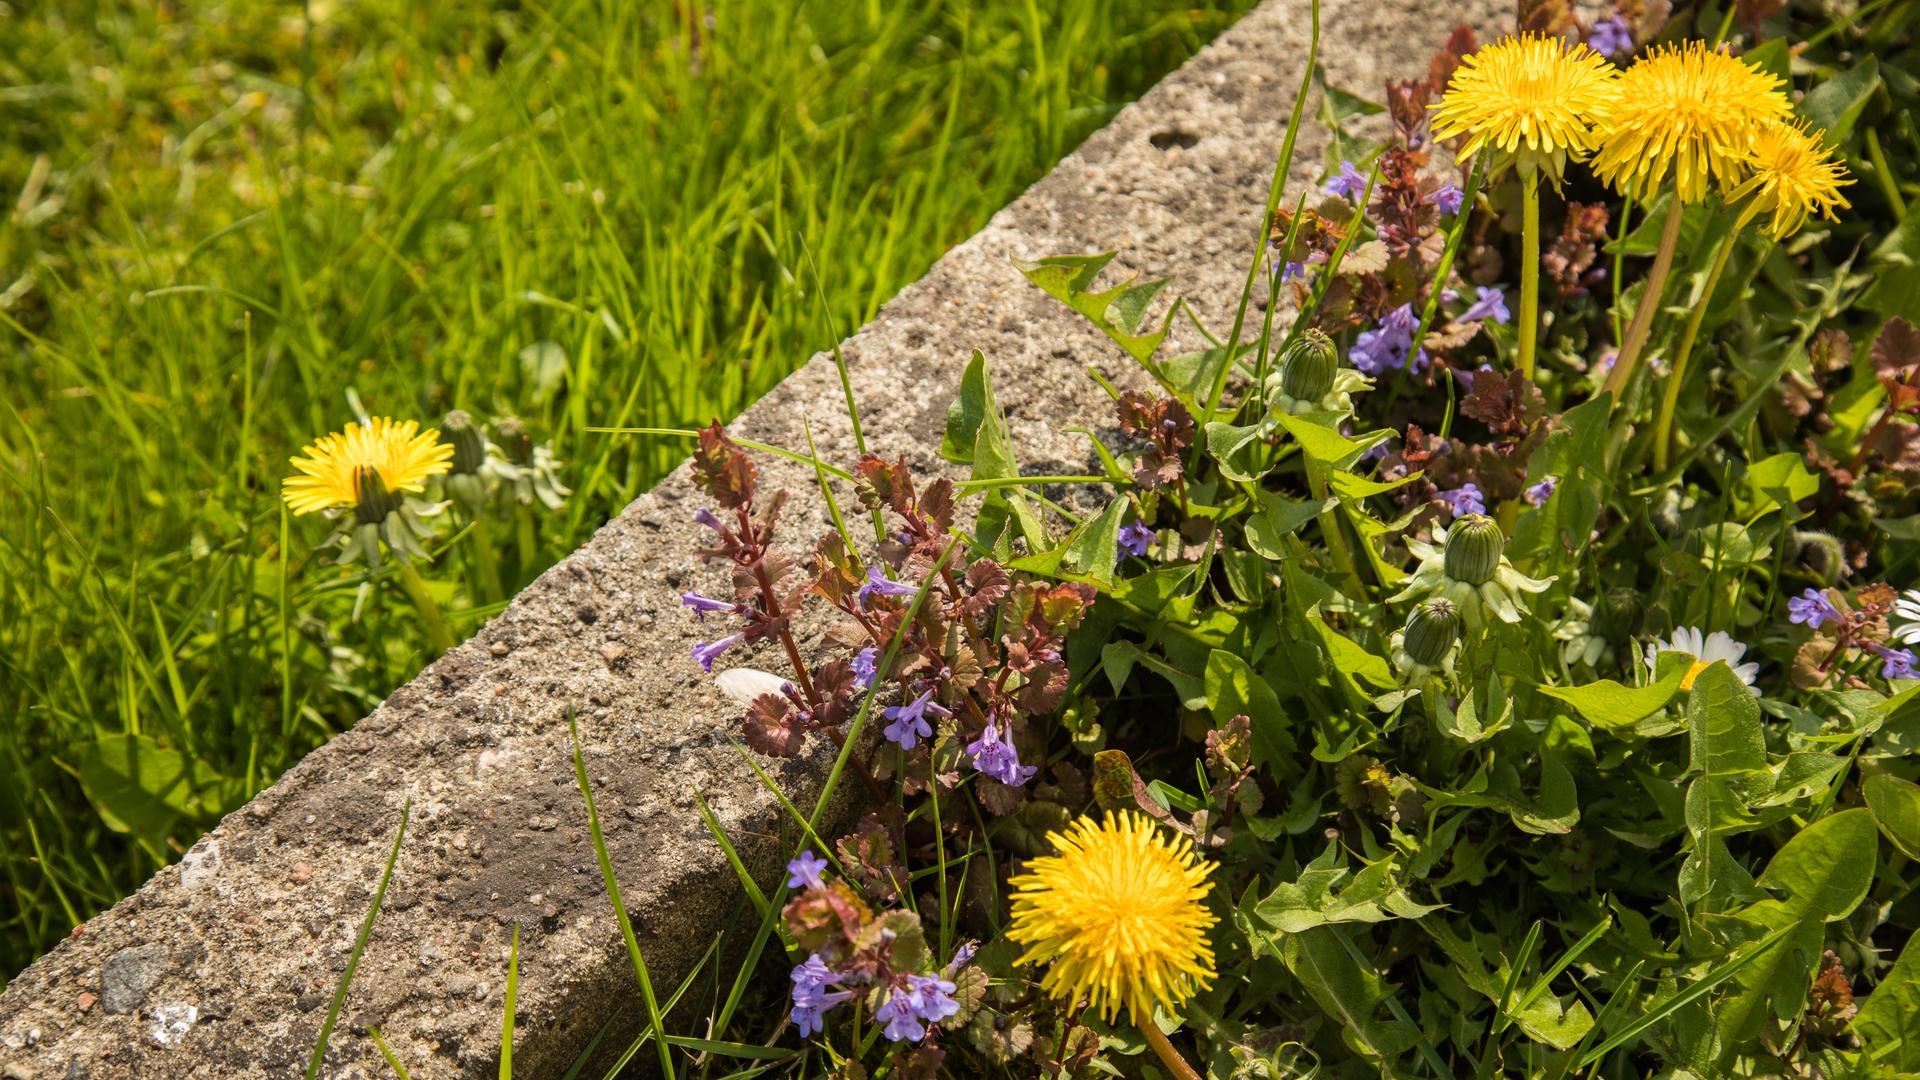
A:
(225, 221)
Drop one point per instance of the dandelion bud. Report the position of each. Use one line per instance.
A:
(1474, 547)
(1821, 553)
(1620, 615)
(512, 435)
(1431, 630)
(372, 501)
(459, 431)
(1306, 371)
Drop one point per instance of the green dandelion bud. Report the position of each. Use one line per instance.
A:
(1474, 547)
(1431, 630)
(1306, 372)
(1621, 614)
(459, 431)
(512, 435)
(1819, 552)
(372, 501)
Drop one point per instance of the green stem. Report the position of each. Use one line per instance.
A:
(486, 564)
(1330, 525)
(1529, 270)
(529, 546)
(1643, 312)
(438, 636)
(1663, 430)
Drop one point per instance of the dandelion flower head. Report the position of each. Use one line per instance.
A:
(1791, 175)
(1536, 98)
(1689, 110)
(403, 456)
(1117, 914)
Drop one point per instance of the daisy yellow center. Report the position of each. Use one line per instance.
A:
(1686, 681)
(399, 453)
(1527, 95)
(1117, 915)
(1687, 110)
(1792, 176)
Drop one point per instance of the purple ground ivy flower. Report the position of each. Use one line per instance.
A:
(924, 999)
(1448, 199)
(877, 582)
(962, 956)
(864, 663)
(1895, 663)
(1465, 499)
(1385, 347)
(1813, 609)
(1135, 539)
(701, 605)
(804, 869)
(908, 723)
(1491, 305)
(703, 516)
(1292, 270)
(1351, 183)
(1611, 37)
(708, 651)
(993, 755)
(811, 998)
(1538, 494)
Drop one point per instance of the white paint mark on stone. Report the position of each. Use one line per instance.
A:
(171, 1022)
(201, 865)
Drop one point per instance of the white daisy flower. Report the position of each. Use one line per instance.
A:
(1705, 650)
(1908, 609)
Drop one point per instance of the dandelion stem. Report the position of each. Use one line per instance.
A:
(486, 564)
(1663, 430)
(1643, 312)
(435, 624)
(1529, 270)
(1169, 1057)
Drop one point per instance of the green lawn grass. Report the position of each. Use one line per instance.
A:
(224, 221)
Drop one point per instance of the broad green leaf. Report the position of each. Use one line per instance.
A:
(1826, 868)
(1833, 106)
(1611, 706)
(1118, 312)
(970, 406)
(1095, 549)
(1885, 1022)
(1325, 446)
(1724, 725)
(1352, 995)
(1277, 517)
(1349, 658)
(1896, 809)
(1783, 480)
(1372, 895)
(1545, 1019)
(1233, 688)
(1227, 445)
(142, 787)
(1776, 981)
(1354, 486)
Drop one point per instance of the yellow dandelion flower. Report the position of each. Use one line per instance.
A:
(1535, 98)
(399, 453)
(1117, 913)
(1688, 109)
(1792, 175)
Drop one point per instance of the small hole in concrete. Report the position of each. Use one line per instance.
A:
(1172, 137)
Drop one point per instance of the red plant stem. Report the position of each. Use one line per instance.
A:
(757, 550)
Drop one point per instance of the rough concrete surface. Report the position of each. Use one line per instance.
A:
(223, 964)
